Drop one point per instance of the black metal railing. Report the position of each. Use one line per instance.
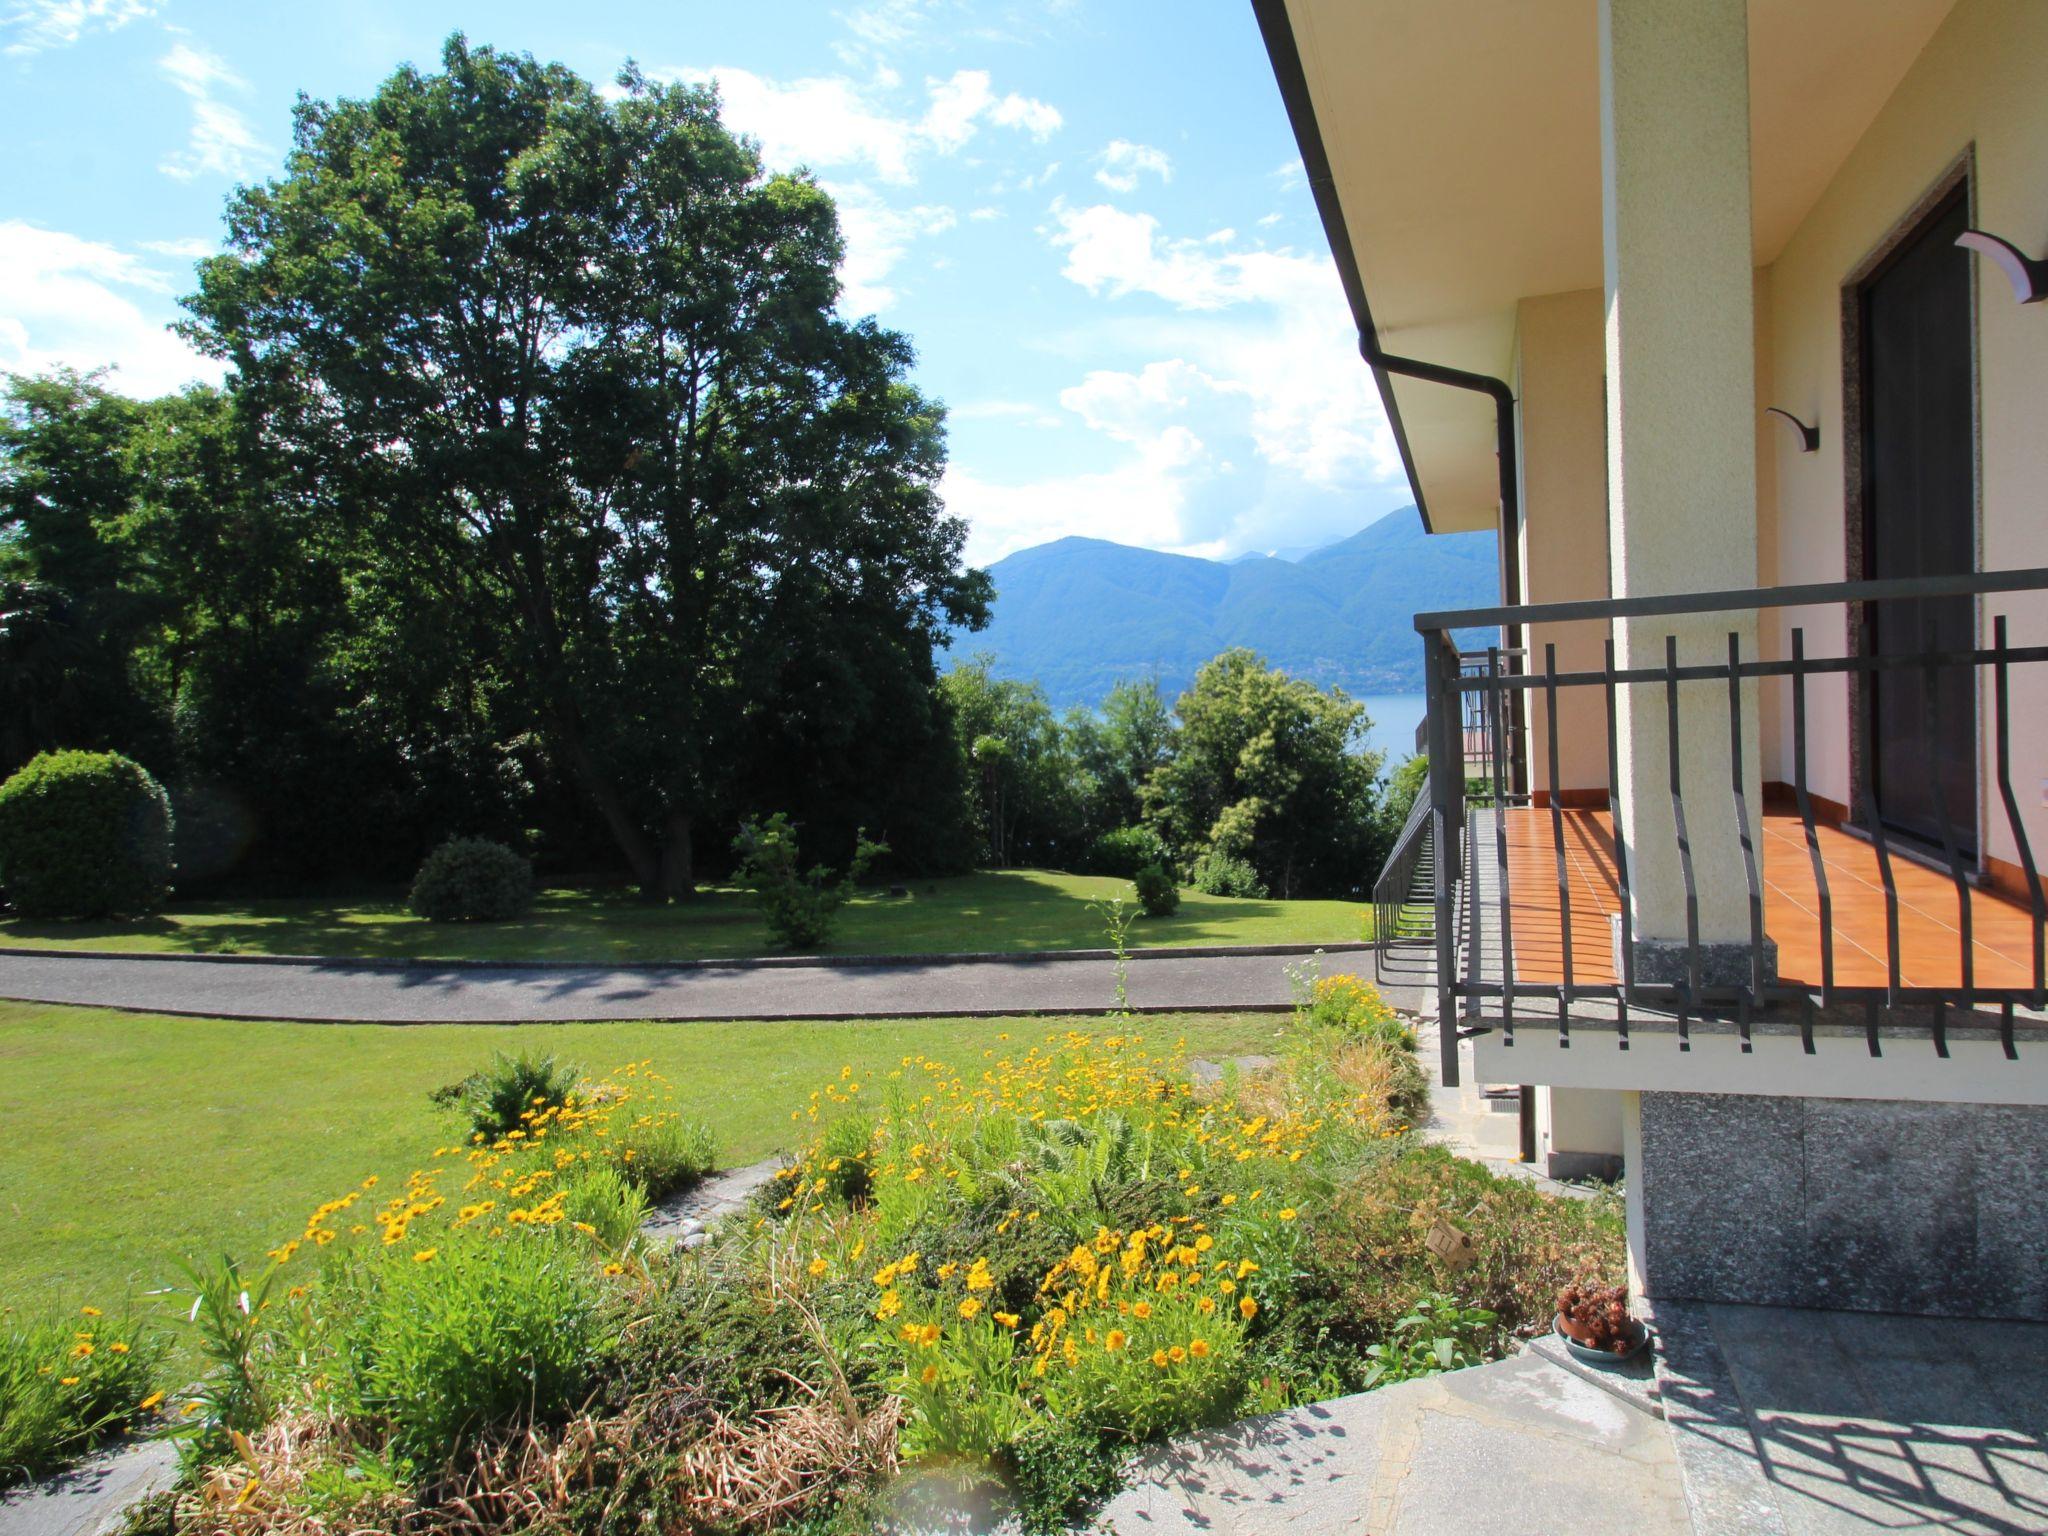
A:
(1404, 896)
(1471, 704)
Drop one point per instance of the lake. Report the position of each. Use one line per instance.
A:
(1394, 718)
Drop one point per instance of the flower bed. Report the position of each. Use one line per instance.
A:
(1007, 1271)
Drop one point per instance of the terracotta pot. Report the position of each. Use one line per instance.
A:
(1605, 1359)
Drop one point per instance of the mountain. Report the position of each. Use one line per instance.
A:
(1079, 614)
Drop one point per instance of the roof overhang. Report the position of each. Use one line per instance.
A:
(1454, 152)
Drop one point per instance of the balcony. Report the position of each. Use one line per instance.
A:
(1881, 909)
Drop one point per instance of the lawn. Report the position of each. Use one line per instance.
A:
(133, 1140)
(1020, 910)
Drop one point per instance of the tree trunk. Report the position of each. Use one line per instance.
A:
(678, 862)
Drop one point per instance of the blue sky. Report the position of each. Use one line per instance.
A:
(1090, 217)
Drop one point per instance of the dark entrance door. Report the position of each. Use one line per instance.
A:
(1919, 497)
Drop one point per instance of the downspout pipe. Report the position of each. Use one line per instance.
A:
(1503, 399)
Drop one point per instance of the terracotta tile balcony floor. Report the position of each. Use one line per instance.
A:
(1929, 937)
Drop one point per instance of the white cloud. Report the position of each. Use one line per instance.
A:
(33, 26)
(1122, 163)
(190, 250)
(71, 302)
(1290, 174)
(221, 143)
(878, 236)
(1038, 118)
(832, 120)
(983, 215)
(1255, 424)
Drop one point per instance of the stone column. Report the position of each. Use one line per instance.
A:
(1681, 440)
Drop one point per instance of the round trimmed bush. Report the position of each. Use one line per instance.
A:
(1126, 851)
(1158, 893)
(1224, 874)
(84, 834)
(472, 880)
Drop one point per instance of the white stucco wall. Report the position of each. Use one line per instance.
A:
(1980, 85)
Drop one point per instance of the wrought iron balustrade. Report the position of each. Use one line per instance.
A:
(1474, 701)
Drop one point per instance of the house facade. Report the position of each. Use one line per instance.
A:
(1722, 313)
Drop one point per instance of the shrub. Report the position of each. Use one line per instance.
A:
(663, 1153)
(1224, 874)
(67, 1383)
(1436, 1336)
(1355, 1007)
(607, 1201)
(1158, 893)
(799, 905)
(1126, 851)
(1061, 1475)
(84, 834)
(502, 1095)
(472, 880)
(440, 1343)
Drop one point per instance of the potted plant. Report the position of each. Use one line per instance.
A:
(1596, 1327)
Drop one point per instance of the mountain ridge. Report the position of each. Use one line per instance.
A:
(1079, 614)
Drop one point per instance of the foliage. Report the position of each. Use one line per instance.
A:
(1126, 851)
(662, 1152)
(1437, 1335)
(589, 379)
(1158, 891)
(798, 904)
(67, 1383)
(1116, 923)
(1225, 874)
(610, 1205)
(506, 1094)
(437, 1342)
(1017, 1269)
(84, 834)
(1020, 762)
(236, 1329)
(1270, 769)
(472, 880)
(1061, 1474)
(1368, 1262)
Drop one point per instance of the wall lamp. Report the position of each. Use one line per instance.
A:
(1809, 437)
(2029, 278)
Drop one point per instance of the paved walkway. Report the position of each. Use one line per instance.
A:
(423, 993)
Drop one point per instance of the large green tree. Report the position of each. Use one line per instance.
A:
(574, 363)
(1272, 769)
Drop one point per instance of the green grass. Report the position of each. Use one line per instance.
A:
(1022, 909)
(132, 1140)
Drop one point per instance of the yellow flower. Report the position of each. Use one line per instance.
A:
(1008, 1319)
(1206, 1306)
(818, 1268)
(969, 1308)
(928, 1335)
(67, 1381)
(1142, 1310)
(1199, 1349)
(118, 1347)
(979, 1278)
(928, 1375)
(890, 1304)
(615, 1269)
(1159, 1358)
(149, 1402)
(426, 1256)
(80, 1351)
(1287, 1213)
(1117, 1339)
(1176, 1354)
(89, 1312)
(1248, 1307)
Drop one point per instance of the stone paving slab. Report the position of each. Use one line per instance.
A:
(1518, 1448)
(687, 1217)
(91, 1498)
